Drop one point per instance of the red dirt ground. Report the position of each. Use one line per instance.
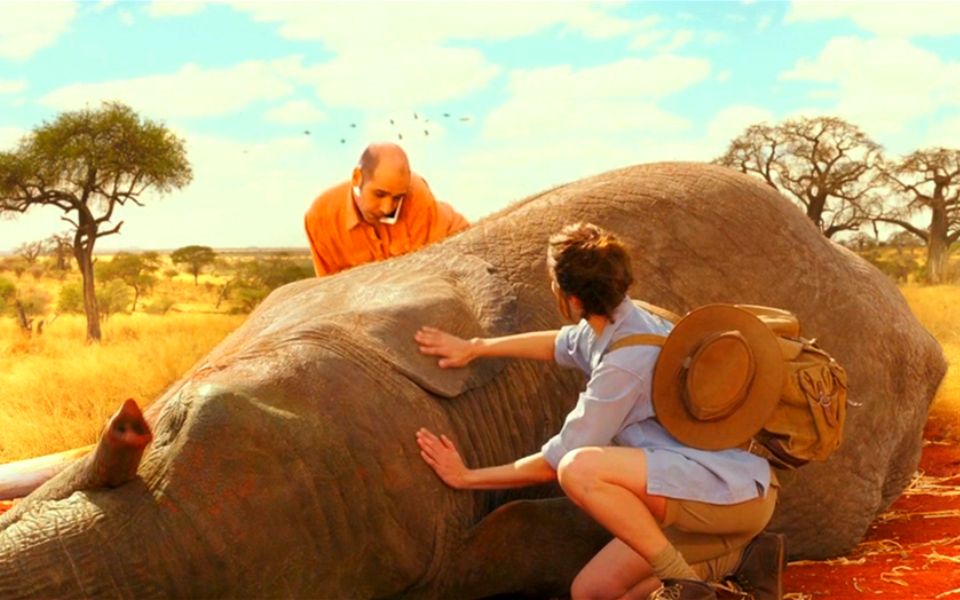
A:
(910, 552)
(913, 550)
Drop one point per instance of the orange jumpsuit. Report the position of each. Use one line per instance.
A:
(340, 238)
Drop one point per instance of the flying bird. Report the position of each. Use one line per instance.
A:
(391, 122)
(446, 114)
(306, 132)
(400, 135)
(425, 132)
(354, 125)
(464, 118)
(343, 141)
(415, 116)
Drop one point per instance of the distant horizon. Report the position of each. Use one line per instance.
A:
(276, 100)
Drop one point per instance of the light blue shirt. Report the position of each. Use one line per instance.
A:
(616, 408)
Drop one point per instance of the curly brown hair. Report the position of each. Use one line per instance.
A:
(591, 264)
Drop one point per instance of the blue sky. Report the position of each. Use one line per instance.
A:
(495, 101)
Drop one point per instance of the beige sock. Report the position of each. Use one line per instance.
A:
(669, 564)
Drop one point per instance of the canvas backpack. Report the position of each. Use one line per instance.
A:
(807, 422)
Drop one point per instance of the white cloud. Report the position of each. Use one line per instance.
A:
(102, 5)
(764, 22)
(731, 122)
(945, 133)
(162, 8)
(678, 40)
(404, 77)
(190, 92)
(12, 86)
(894, 19)
(617, 97)
(25, 27)
(647, 38)
(9, 137)
(126, 17)
(883, 84)
(433, 23)
(295, 112)
(723, 75)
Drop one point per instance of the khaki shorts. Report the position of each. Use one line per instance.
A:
(711, 537)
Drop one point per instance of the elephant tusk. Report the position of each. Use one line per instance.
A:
(19, 478)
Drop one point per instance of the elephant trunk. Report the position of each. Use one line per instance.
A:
(114, 460)
(83, 533)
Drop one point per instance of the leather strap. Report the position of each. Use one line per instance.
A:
(637, 339)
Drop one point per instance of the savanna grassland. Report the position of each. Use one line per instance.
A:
(56, 390)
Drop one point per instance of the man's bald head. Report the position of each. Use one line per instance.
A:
(391, 156)
(381, 181)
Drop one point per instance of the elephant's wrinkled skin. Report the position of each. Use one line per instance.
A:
(284, 464)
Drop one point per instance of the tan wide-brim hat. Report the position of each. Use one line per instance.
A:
(718, 378)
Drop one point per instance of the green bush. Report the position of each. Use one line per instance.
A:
(71, 298)
(113, 297)
(7, 293)
(160, 306)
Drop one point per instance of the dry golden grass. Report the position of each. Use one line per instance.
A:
(56, 391)
(938, 309)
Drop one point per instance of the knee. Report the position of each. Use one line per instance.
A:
(587, 587)
(579, 471)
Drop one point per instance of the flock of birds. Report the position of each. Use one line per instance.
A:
(420, 119)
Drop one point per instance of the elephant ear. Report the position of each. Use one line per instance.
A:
(460, 294)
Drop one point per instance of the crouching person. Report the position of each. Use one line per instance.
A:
(680, 515)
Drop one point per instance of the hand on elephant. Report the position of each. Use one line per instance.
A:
(452, 350)
(442, 456)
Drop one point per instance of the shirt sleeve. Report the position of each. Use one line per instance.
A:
(450, 220)
(600, 411)
(564, 346)
(320, 266)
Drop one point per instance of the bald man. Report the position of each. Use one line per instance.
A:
(383, 210)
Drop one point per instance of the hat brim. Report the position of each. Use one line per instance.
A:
(733, 430)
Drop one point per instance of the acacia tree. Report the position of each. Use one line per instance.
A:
(826, 165)
(135, 270)
(194, 258)
(928, 180)
(87, 163)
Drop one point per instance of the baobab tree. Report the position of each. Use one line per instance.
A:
(826, 165)
(928, 180)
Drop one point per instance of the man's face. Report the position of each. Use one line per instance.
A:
(382, 193)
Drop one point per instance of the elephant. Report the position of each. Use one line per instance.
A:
(284, 463)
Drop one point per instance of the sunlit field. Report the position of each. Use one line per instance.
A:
(56, 391)
(938, 308)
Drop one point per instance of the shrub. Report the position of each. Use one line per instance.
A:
(71, 298)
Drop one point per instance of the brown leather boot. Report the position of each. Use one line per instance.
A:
(684, 589)
(760, 571)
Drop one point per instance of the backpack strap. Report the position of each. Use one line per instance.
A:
(658, 310)
(637, 339)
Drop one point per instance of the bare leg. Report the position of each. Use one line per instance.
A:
(610, 484)
(615, 572)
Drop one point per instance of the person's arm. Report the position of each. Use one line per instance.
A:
(442, 456)
(458, 352)
(319, 265)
